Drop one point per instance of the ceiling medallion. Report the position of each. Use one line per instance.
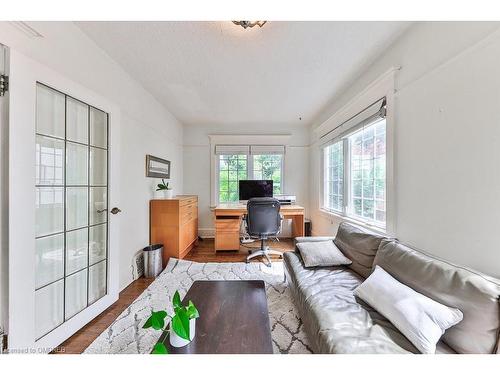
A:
(246, 24)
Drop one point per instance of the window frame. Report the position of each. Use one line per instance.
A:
(347, 210)
(250, 171)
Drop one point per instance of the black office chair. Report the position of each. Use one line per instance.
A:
(263, 220)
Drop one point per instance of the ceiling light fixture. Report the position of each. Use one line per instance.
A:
(246, 24)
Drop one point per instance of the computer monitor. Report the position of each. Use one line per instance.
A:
(255, 189)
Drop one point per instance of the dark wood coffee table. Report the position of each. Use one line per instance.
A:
(233, 319)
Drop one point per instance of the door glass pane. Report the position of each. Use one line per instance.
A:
(76, 250)
(97, 243)
(49, 112)
(48, 308)
(71, 265)
(98, 203)
(76, 293)
(76, 164)
(98, 167)
(77, 119)
(49, 210)
(49, 161)
(76, 207)
(97, 281)
(98, 128)
(49, 260)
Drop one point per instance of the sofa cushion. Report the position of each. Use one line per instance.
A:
(336, 321)
(313, 239)
(321, 254)
(476, 295)
(359, 245)
(421, 319)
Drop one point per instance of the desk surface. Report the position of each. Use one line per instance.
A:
(243, 207)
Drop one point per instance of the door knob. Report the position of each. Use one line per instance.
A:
(115, 210)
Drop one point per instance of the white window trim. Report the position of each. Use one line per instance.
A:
(384, 86)
(244, 140)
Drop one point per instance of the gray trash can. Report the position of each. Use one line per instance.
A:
(152, 260)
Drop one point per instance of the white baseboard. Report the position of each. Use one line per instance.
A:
(206, 232)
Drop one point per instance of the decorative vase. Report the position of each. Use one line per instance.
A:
(159, 194)
(177, 341)
(169, 194)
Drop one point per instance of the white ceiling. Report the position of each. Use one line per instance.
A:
(217, 73)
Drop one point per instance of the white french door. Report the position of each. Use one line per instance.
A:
(63, 239)
(71, 217)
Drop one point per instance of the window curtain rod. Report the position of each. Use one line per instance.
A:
(379, 113)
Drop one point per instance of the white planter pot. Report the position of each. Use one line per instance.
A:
(177, 341)
(169, 194)
(159, 194)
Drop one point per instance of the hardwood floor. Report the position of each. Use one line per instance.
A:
(202, 252)
(85, 336)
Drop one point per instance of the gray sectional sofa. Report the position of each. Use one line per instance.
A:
(337, 322)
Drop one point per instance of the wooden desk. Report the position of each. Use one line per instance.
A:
(228, 221)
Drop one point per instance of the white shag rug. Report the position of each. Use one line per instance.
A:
(126, 335)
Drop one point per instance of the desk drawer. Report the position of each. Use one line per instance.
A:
(227, 224)
(227, 240)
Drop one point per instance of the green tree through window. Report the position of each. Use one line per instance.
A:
(232, 169)
(268, 167)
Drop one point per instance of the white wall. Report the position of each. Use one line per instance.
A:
(146, 126)
(4, 198)
(197, 164)
(447, 137)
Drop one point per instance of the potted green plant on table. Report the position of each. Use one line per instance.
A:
(163, 190)
(182, 324)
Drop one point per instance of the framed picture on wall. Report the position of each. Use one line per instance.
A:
(157, 167)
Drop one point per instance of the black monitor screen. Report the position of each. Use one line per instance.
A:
(255, 189)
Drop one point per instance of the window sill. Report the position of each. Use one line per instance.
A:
(339, 216)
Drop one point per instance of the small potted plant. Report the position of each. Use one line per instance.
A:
(182, 324)
(164, 190)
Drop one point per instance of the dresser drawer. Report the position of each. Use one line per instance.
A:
(188, 213)
(188, 216)
(188, 233)
(188, 201)
(188, 208)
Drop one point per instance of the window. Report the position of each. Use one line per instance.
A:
(367, 173)
(268, 167)
(232, 169)
(354, 172)
(334, 176)
(235, 163)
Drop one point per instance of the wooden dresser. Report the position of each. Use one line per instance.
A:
(174, 223)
